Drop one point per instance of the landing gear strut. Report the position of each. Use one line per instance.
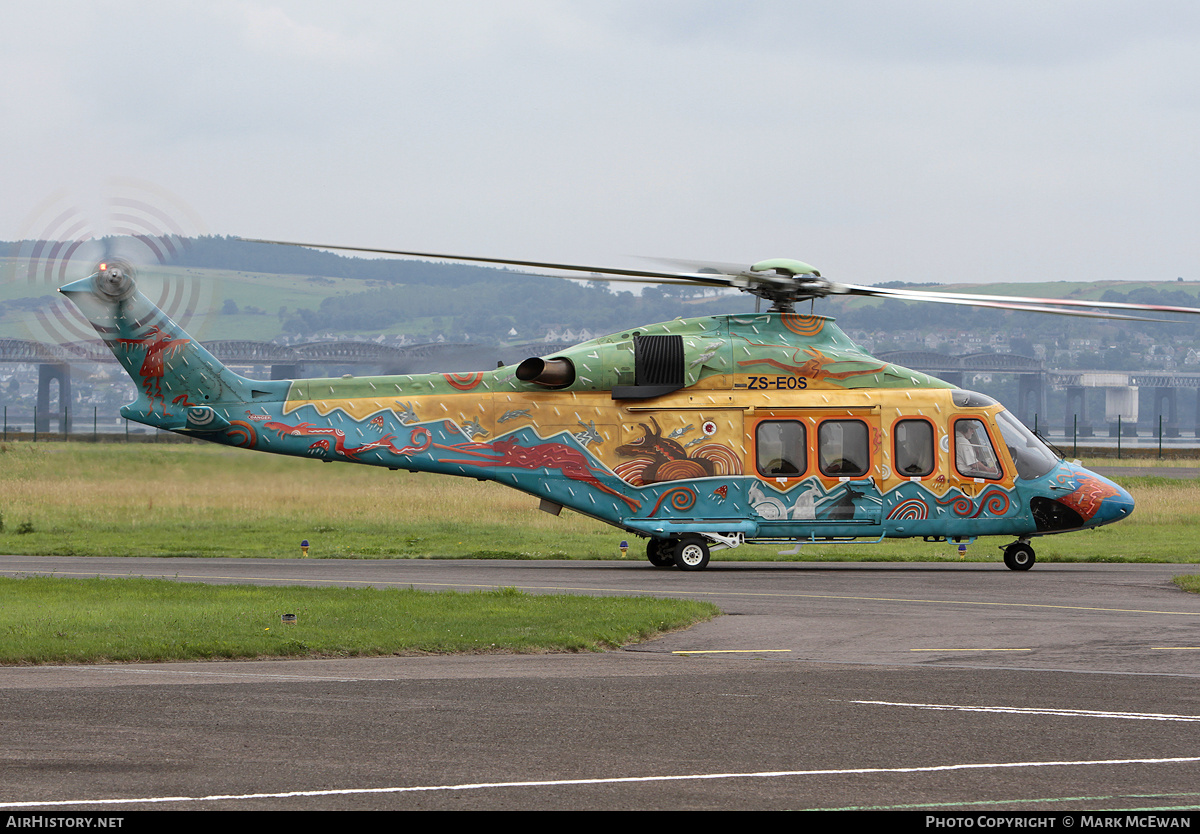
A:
(1019, 556)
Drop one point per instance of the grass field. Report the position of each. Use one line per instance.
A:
(56, 620)
(201, 500)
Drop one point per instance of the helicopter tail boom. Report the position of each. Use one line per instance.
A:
(179, 380)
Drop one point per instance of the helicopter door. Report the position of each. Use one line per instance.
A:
(781, 463)
(813, 474)
(848, 449)
(974, 457)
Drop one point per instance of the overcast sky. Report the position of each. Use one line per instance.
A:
(944, 140)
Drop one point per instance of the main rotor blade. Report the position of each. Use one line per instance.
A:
(709, 267)
(783, 290)
(707, 280)
(680, 281)
(1043, 305)
(972, 298)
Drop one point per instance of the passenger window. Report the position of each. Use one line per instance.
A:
(914, 448)
(842, 448)
(781, 447)
(974, 456)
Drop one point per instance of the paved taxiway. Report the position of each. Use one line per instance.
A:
(951, 686)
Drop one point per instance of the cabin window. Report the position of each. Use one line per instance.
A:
(974, 456)
(843, 449)
(914, 448)
(781, 448)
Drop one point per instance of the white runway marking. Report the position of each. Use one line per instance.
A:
(552, 783)
(730, 651)
(1075, 713)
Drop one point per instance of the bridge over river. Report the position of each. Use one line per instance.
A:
(1094, 400)
(330, 358)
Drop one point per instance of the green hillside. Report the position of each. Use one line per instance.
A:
(241, 290)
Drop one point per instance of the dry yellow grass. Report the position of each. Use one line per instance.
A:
(159, 498)
(1173, 503)
(208, 500)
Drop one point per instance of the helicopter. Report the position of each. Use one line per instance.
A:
(696, 434)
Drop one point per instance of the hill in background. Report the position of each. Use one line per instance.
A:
(266, 292)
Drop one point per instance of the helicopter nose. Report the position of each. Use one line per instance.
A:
(1097, 499)
(1116, 506)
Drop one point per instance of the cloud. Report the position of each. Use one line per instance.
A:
(273, 31)
(868, 137)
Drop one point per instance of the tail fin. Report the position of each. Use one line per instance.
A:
(180, 381)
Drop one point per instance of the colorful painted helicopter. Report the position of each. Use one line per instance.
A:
(695, 433)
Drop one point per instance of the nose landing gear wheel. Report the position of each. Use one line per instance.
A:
(691, 553)
(1019, 556)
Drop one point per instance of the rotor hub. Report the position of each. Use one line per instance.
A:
(114, 280)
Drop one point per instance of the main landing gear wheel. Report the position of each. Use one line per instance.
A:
(691, 553)
(1019, 556)
(661, 553)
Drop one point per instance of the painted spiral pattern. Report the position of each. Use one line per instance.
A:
(245, 431)
(995, 503)
(464, 381)
(803, 325)
(911, 510)
(200, 416)
(680, 498)
(725, 461)
(962, 505)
